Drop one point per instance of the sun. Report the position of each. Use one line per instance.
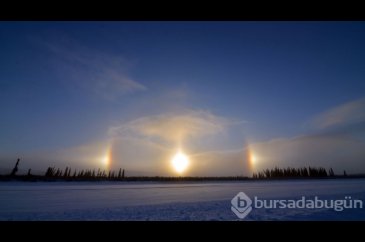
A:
(105, 160)
(253, 159)
(180, 162)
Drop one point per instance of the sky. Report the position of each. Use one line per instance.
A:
(234, 97)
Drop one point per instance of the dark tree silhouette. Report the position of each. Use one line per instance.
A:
(50, 172)
(120, 173)
(15, 169)
(123, 174)
(65, 173)
(331, 173)
(292, 172)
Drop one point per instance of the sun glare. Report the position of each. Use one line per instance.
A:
(105, 160)
(253, 159)
(180, 162)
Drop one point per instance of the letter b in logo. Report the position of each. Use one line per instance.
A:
(241, 205)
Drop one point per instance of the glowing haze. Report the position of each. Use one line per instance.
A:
(182, 98)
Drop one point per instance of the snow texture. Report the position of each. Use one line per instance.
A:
(170, 201)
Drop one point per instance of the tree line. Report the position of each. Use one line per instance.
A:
(84, 174)
(69, 174)
(293, 172)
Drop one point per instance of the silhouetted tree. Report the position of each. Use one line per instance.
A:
(120, 173)
(66, 172)
(81, 173)
(344, 173)
(15, 169)
(98, 173)
(292, 172)
(123, 174)
(50, 172)
(305, 172)
(29, 170)
(58, 173)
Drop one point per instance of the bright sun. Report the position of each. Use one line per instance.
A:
(253, 159)
(180, 162)
(105, 160)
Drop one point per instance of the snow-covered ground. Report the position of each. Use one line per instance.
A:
(170, 201)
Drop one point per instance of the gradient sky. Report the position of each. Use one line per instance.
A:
(236, 97)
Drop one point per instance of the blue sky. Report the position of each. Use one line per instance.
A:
(72, 92)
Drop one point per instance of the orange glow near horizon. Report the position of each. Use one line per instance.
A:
(251, 158)
(107, 158)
